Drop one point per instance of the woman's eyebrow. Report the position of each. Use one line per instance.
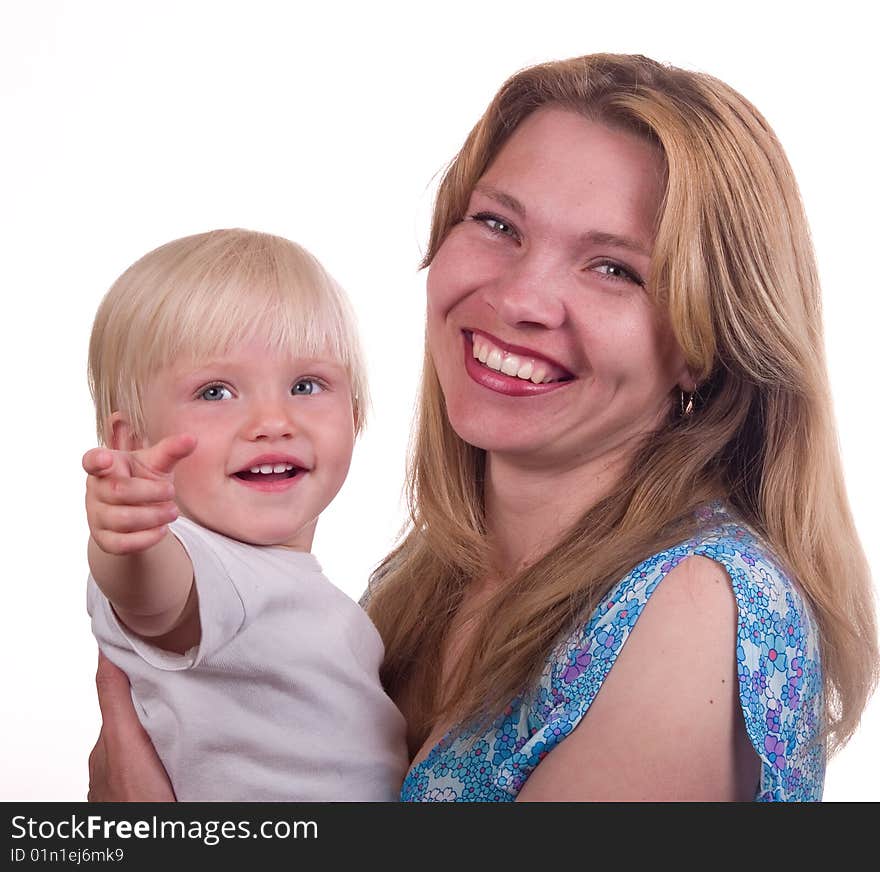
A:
(591, 237)
(598, 237)
(504, 199)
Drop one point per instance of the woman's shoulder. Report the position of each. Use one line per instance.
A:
(758, 580)
(737, 584)
(776, 642)
(774, 615)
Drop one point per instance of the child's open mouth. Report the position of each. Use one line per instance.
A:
(268, 472)
(269, 476)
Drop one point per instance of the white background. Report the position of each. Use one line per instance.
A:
(127, 124)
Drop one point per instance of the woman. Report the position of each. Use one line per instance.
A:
(624, 384)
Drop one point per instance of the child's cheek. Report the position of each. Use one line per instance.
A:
(191, 477)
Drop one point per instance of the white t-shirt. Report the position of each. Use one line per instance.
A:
(281, 700)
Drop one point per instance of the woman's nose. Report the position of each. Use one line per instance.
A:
(531, 294)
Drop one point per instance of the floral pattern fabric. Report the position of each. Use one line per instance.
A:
(778, 664)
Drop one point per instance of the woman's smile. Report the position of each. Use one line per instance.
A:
(516, 373)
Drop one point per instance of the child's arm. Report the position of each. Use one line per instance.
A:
(146, 574)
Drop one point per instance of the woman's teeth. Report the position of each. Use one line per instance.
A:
(526, 368)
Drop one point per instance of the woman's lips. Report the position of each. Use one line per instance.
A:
(519, 358)
(501, 382)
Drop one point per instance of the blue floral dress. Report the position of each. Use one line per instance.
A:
(780, 680)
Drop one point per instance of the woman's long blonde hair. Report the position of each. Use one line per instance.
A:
(734, 267)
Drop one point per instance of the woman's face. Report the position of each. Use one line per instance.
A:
(545, 282)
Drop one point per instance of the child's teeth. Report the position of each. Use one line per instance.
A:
(267, 468)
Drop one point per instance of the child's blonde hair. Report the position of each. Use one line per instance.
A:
(201, 295)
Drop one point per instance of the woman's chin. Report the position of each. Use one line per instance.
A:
(501, 438)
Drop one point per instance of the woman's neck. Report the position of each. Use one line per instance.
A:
(529, 508)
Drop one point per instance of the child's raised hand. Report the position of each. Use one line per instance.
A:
(130, 494)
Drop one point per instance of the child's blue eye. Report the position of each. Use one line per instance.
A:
(215, 392)
(306, 386)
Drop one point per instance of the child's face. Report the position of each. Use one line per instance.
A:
(256, 409)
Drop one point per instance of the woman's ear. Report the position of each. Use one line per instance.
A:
(121, 435)
(682, 371)
(687, 382)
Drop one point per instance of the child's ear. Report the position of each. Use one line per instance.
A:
(121, 435)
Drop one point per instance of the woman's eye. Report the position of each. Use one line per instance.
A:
(215, 392)
(306, 386)
(495, 224)
(615, 271)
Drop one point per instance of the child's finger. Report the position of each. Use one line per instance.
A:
(134, 519)
(162, 457)
(100, 462)
(131, 491)
(129, 543)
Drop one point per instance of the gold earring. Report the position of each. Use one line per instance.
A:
(686, 406)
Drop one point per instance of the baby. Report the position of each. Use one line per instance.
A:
(229, 389)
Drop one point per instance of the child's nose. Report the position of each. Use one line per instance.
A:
(271, 421)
